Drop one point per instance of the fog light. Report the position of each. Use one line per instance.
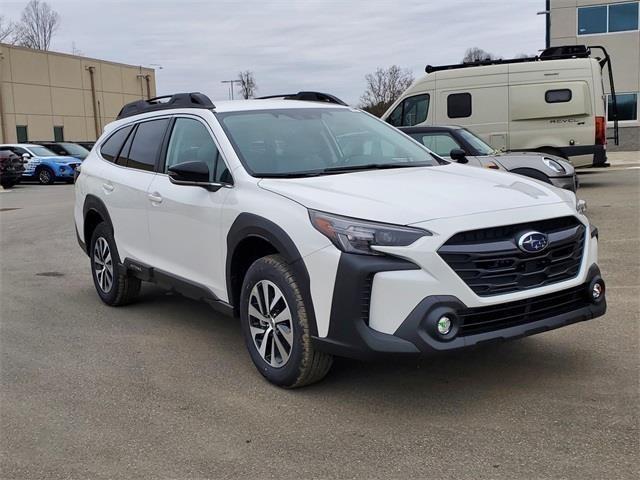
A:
(596, 292)
(444, 325)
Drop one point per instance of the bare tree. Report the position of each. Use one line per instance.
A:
(384, 86)
(38, 24)
(8, 30)
(75, 50)
(475, 54)
(248, 86)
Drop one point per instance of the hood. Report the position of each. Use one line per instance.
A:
(513, 160)
(411, 195)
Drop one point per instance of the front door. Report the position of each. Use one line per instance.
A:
(185, 221)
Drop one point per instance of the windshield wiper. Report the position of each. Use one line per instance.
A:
(374, 166)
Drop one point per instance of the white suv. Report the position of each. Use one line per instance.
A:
(328, 232)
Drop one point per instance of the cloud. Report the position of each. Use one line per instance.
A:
(322, 45)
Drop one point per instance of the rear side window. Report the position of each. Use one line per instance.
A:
(459, 105)
(146, 144)
(557, 96)
(412, 111)
(110, 149)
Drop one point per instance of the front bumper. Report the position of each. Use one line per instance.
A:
(350, 335)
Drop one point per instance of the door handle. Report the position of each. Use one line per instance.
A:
(155, 197)
(108, 187)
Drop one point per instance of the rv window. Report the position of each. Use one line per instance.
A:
(459, 105)
(557, 96)
(412, 111)
(627, 107)
(395, 118)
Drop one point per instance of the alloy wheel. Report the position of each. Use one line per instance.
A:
(270, 323)
(44, 176)
(103, 264)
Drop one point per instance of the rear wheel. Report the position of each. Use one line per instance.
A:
(276, 326)
(46, 176)
(112, 283)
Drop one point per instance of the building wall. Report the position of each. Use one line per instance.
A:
(41, 90)
(624, 48)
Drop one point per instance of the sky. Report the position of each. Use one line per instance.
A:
(327, 46)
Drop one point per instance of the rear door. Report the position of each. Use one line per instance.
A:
(185, 221)
(125, 184)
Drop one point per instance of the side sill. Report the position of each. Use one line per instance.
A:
(174, 283)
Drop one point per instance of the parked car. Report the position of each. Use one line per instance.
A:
(328, 232)
(87, 145)
(67, 149)
(461, 145)
(43, 164)
(552, 103)
(11, 168)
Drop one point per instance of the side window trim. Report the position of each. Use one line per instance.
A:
(165, 145)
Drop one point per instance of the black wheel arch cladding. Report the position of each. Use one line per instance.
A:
(249, 225)
(93, 205)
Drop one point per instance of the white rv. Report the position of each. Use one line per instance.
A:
(552, 103)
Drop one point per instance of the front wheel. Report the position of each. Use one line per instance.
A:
(275, 324)
(46, 176)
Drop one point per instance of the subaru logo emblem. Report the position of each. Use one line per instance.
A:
(533, 242)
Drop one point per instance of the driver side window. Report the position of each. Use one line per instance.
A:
(439, 143)
(191, 142)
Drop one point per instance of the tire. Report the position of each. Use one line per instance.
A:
(46, 176)
(113, 285)
(7, 184)
(303, 365)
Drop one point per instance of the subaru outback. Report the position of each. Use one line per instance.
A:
(328, 232)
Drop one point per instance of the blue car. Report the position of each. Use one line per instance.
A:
(43, 164)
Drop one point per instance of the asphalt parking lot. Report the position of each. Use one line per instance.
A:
(165, 389)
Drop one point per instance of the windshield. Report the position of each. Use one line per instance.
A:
(317, 141)
(41, 152)
(74, 149)
(477, 143)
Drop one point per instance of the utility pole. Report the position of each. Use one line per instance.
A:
(231, 84)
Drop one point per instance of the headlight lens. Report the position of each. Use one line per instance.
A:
(581, 206)
(358, 236)
(553, 165)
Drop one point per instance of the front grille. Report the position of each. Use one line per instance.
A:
(490, 262)
(487, 319)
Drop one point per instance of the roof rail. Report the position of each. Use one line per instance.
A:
(552, 53)
(308, 96)
(177, 100)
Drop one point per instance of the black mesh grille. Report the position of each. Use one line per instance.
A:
(490, 262)
(365, 298)
(486, 319)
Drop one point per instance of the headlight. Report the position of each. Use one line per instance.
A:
(358, 236)
(553, 165)
(581, 206)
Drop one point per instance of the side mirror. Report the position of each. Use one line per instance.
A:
(458, 155)
(195, 174)
(26, 156)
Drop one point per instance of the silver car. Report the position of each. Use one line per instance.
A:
(462, 146)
